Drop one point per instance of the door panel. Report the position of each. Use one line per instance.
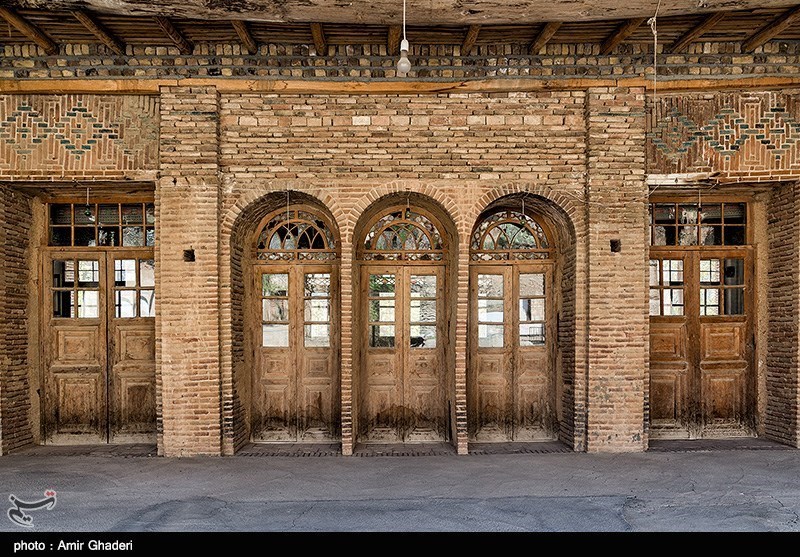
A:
(669, 378)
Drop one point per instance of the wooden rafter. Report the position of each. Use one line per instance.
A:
(184, 45)
(245, 36)
(99, 31)
(771, 29)
(393, 41)
(620, 34)
(696, 32)
(469, 39)
(29, 30)
(318, 33)
(548, 30)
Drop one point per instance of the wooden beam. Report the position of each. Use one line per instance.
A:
(544, 36)
(469, 39)
(696, 32)
(393, 42)
(29, 30)
(771, 29)
(319, 39)
(99, 31)
(245, 36)
(620, 34)
(183, 44)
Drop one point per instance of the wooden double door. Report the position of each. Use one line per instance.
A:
(402, 379)
(99, 346)
(511, 391)
(702, 382)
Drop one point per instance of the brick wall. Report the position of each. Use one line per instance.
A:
(783, 345)
(618, 312)
(187, 321)
(15, 396)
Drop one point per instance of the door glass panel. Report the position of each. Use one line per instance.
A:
(490, 286)
(275, 335)
(317, 285)
(317, 310)
(709, 301)
(275, 309)
(490, 336)
(423, 286)
(734, 301)
(531, 309)
(317, 335)
(147, 273)
(423, 336)
(531, 284)
(734, 272)
(673, 301)
(63, 274)
(423, 311)
(491, 311)
(655, 301)
(381, 336)
(727, 278)
(125, 272)
(709, 271)
(531, 334)
(88, 274)
(125, 303)
(88, 304)
(64, 304)
(273, 284)
(147, 303)
(381, 312)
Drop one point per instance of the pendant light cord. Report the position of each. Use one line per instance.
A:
(404, 20)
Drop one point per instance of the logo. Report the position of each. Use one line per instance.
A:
(17, 514)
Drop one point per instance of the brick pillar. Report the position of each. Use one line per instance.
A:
(783, 340)
(462, 333)
(347, 325)
(15, 403)
(187, 319)
(618, 308)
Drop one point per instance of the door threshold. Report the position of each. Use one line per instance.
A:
(275, 448)
(124, 451)
(718, 444)
(547, 446)
(405, 449)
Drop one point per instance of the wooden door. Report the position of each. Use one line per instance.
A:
(75, 355)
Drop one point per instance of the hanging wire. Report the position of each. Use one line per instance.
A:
(653, 22)
(404, 20)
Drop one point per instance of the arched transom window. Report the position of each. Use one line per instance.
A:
(510, 235)
(403, 235)
(296, 234)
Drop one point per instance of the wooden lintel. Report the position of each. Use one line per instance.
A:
(29, 30)
(99, 31)
(696, 32)
(393, 40)
(184, 45)
(620, 34)
(771, 29)
(469, 39)
(318, 33)
(548, 30)
(245, 36)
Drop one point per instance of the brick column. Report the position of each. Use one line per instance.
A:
(187, 319)
(783, 340)
(618, 311)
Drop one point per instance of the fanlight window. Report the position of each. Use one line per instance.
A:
(296, 235)
(509, 235)
(403, 235)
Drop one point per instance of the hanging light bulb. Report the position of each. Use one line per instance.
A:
(404, 64)
(88, 210)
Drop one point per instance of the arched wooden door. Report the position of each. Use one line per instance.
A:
(403, 331)
(296, 389)
(511, 394)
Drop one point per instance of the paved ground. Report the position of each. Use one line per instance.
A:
(742, 486)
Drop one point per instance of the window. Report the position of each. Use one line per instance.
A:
(275, 310)
(722, 287)
(296, 235)
(381, 302)
(692, 224)
(666, 287)
(423, 311)
(509, 235)
(531, 309)
(317, 310)
(102, 225)
(403, 235)
(134, 283)
(490, 311)
(76, 289)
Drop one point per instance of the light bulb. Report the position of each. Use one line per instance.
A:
(403, 65)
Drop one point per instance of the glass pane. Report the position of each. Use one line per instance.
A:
(381, 311)
(275, 335)
(687, 236)
(61, 214)
(734, 236)
(109, 214)
(125, 272)
(64, 304)
(709, 301)
(531, 284)
(63, 274)
(85, 236)
(423, 286)
(655, 301)
(490, 311)
(85, 214)
(423, 336)
(150, 213)
(672, 272)
(275, 309)
(88, 304)
(664, 214)
(711, 235)
(108, 236)
(735, 213)
(125, 303)
(275, 284)
(734, 272)
(687, 214)
(150, 240)
(318, 310)
(381, 336)
(88, 274)
(709, 271)
(734, 301)
(132, 236)
(317, 285)
(531, 310)
(147, 272)
(490, 336)
(381, 285)
(531, 334)
(317, 335)
(673, 301)
(711, 214)
(132, 214)
(147, 303)
(60, 236)
(423, 310)
(490, 286)
(664, 235)
(654, 272)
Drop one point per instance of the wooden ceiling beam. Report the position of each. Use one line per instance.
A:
(245, 36)
(470, 38)
(184, 45)
(30, 30)
(548, 30)
(696, 32)
(771, 29)
(620, 34)
(99, 31)
(318, 33)
(393, 41)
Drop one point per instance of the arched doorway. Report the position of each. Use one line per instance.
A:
(512, 379)
(294, 303)
(403, 390)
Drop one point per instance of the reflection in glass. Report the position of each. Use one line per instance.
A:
(275, 284)
(317, 285)
(88, 274)
(490, 286)
(64, 304)
(317, 310)
(125, 272)
(709, 271)
(132, 236)
(672, 272)
(151, 236)
(673, 301)
(85, 236)
(687, 236)
(88, 306)
(60, 236)
(423, 286)
(490, 336)
(275, 309)
(147, 272)
(423, 310)
(531, 309)
(108, 236)
(381, 311)
(734, 301)
(381, 285)
(423, 336)
(711, 235)
(275, 335)
(63, 274)
(531, 284)
(317, 335)
(655, 301)
(654, 272)
(709, 301)
(125, 303)
(531, 334)
(147, 303)
(490, 311)
(734, 272)
(381, 336)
